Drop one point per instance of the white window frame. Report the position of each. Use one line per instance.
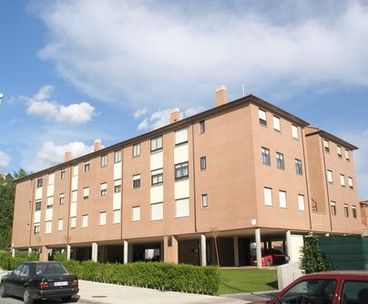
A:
(157, 211)
(116, 216)
(301, 202)
(329, 176)
(136, 213)
(85, 193)
(73, 221)
(262, 117)
(276, 123)
(333, 208)
(60, 224)
(282, 199)
(182, 210)
(136, 150)
(326, 145)
(342, 180)
(84, 220)
(350, 182)
(267, 196)
(295, 131)
(104, 161)
(48, 227)
(103, 189)
(204, 200)
(156, 143)
(117, 156)
(102, 218)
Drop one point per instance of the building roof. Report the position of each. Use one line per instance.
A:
(177, 125)
(364, 202)
(333, 138)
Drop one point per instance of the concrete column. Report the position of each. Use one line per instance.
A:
(258, 247)
(13, 252)
(236, 251)
(203, 250)
(68, 252)
(44, 256)
(288, 243)
(171, 250)
(126, 250)
(29, 251)
(94, 252)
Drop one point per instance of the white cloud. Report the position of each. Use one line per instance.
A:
(4, 159)
(41, 105)
(51, 153)
(140, 112)
(161, 118)
(171, 57)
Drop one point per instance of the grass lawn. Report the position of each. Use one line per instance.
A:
(247, 280)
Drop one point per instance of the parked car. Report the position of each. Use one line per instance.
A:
(271, 257)
(333, 287)
(39, 280)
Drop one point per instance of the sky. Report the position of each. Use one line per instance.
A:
(75, 71)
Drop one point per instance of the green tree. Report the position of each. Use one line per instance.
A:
(313, 259)
(7, 194)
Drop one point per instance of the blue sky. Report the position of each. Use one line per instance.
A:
(74, 71)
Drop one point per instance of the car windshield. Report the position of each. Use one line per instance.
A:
(50, 269)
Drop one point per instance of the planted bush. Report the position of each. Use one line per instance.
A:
(7, 262)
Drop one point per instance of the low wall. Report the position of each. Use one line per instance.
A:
(287, 273)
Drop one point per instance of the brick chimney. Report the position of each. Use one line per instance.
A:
(67, 155)
(221, 95)
(97, 145)
(175, 116)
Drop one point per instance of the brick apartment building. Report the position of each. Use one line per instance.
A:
(200, 190)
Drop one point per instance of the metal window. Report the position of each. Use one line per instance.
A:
(157, 177)
(276, 123)
(354, 212)
(136, 181)
(103, 189)
(61, 199)
(266, 158)
(301, 204)
(62, 174)
(202, 126)
(38, 205)
(346, 210)
(85, 193)
(103, 160)
(350, 182)
(87, 167)
(262, 117)
(347, 155)
(329, 176)
(203, 163)
(339, 152)
(294, 131)
(298, 167)
(39, 182)
(181, 171)
(280, 160)
(342, 180)
(326, 145)
(36, 228)
(136, 150)
(117, 156)
(117, 186)
(333, 208)
(282, 199)
(204, 200)
(267, 193)
(156, 143)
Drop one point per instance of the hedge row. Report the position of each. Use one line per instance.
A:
(156, 275)
(7, 262)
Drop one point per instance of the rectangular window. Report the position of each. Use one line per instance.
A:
(204, 200)
(86, 167)
(266, 158)
(202, 126)
(103, 189)
(346, 210)
(136, 213)
(333, 208)
(84, 220)
(61, 199)
(203, 163)
(103, 161)
(354, 291)
(36, 228)
(62, 174)
(181, 136)
(354, 212)
(50, 202)
(51, 179)
(295, 131)
(102, 218)
(117, 186)
(39, 182)
(38, 205)
(339, 152)
(85, 193)
(342, 180)
(48, 227)
(182, 207)
(73, 222)
(282, 199)
(116, 216)
(157, 211)
(267, 193)
(136, 181)
(298, 167)
(181, 171)
(276, 123)
(156, 143)
(301, 204)
(329, 176)
(350, 182)
(117, 156)
(326, 145)
(60, 224)
(347, 154)
(75, 170)
(262, 117)
(157, 177)
(74, 196)
(136, 150)
(280, 160)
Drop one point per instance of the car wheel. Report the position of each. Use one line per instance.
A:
(27, 298)
(66, 299)
(3, 293)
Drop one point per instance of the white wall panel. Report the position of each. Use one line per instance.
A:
(157, 194)
(73, 209)
(181, 189)
(181, 136)
(50, 190)
(157, 160)
(37, 216)
(181, 154)
(116, 201)
(51, 180)
(157, 212)
(117, 171)
(74, 183)
(38, 194)
(48, 214)
(182, 207)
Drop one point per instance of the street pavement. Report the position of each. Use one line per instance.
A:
(103, 293)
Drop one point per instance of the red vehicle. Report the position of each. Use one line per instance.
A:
(333, 287)
(272, 257)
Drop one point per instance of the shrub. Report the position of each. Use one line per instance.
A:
(313, 259)
(7, 262)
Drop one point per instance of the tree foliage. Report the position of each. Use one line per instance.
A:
(7, 194)
(313, 259)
